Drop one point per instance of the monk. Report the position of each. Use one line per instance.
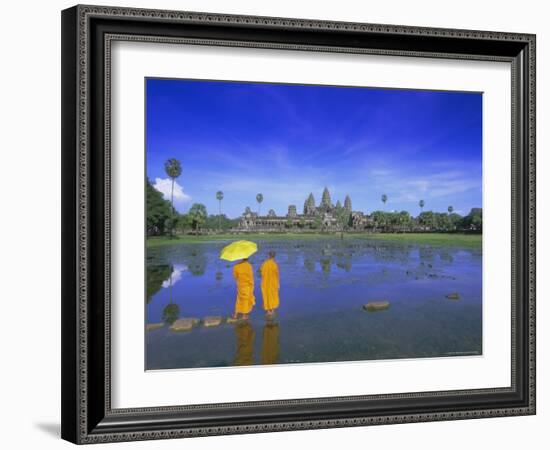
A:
(242, 272)
(270, 284)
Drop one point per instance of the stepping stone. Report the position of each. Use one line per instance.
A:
(377, 306)
(212, 321)
(453, 296)
(184, 324)
(153, 326)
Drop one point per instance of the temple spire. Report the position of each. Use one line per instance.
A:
(309, 205)
(325, 201)
(347, 203)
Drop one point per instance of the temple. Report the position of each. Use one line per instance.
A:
(326, 217)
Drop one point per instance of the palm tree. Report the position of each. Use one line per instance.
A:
(219, 197)
(259, 199)
(384, 200)
(421, 203)
(172, 168)
(450, 209)
(197, 214)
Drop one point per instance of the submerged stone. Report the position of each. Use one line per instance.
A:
(186, 324)
(153, 326)
(377, 306)
(212, 321)
(453, 296)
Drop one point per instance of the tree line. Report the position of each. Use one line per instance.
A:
(163, 219)
(402, 221)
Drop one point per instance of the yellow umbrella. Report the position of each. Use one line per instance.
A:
(238, 250)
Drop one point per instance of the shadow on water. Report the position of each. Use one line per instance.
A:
(324, 285)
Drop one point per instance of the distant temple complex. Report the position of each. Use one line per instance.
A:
(326, 216)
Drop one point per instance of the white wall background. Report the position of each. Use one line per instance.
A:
(30, 222)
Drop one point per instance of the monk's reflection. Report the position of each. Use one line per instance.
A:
(270, 343)
(245, 344)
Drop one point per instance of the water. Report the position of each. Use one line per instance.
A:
(324, 284)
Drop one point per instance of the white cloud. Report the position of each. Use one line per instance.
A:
(164, 186)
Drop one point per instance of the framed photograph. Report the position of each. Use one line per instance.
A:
(278, 224)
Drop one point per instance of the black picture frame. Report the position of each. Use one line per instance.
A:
(87, 415)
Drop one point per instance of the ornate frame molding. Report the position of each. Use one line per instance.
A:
(80, 219)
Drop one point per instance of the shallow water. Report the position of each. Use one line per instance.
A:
(324, 284)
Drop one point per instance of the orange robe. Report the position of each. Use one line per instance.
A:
(270, 284)
(242, 272)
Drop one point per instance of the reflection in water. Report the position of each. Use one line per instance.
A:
(309, 265)
(344, 263)
(270, 343)
(245, 344)
(325, 265)
(425, 254)
(170, 313)
(245, 334)
(155, 278)
(175, 276)
(446, 256)
(324, 284)
(197, 261)
(292, 257)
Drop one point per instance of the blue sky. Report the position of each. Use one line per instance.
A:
(286, 141)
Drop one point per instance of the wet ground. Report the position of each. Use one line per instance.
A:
(324, 285)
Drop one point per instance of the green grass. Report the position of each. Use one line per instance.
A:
(434, 239)
(158, 241)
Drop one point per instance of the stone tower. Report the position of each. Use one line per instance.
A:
(347, 203)
(309, 205)
(291, 211)
(326, 203)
